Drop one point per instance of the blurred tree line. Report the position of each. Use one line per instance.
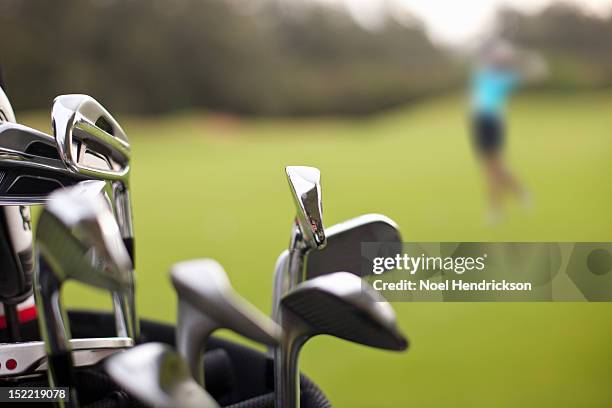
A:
(269, 57)
(258, 57)
(577, 46)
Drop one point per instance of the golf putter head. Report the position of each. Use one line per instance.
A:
(305, 184)
(157, 376)
(89, 139)
(208, 302)
(30, 166)
(77, 238)
(340, 305)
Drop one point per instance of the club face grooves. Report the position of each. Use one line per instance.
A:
(327, 314)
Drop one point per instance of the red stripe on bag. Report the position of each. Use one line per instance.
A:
(25, 315)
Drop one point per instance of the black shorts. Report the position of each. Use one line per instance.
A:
(488, 133)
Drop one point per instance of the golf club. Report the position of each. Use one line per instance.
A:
(92, 143)
(307, 232)
(157, 376)
(75, 227)
(340, 305)
(30, 168)
(208, 302)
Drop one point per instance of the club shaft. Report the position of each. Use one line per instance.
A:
(286, 373)
(12, 322)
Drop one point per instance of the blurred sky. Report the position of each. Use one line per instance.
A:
(452, 21)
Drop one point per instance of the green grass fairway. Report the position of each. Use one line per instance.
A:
(214, 186)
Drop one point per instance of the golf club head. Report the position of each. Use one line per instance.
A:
(208, 302)
(77, 238)
(91, 143)
(343, 249)
(30, 167)
(157, 376)
(89, 139)
(305, 184)
(343, 305)
(76, 226)
(27, 140)
(340, 305)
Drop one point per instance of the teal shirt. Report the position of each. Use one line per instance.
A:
(491, 89)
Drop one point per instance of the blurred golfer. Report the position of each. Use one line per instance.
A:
(499, 71)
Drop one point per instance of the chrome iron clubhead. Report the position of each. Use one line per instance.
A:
(307, 233)
(78, 239)
(157, 376)
(305, 184)
(92, 144)
(208, 302)
(342, 251)
(340, 305)
(30, 167)
(89, 139)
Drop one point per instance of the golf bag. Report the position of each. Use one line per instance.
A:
(236, 376)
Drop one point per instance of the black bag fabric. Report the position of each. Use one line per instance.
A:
(236, 376)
